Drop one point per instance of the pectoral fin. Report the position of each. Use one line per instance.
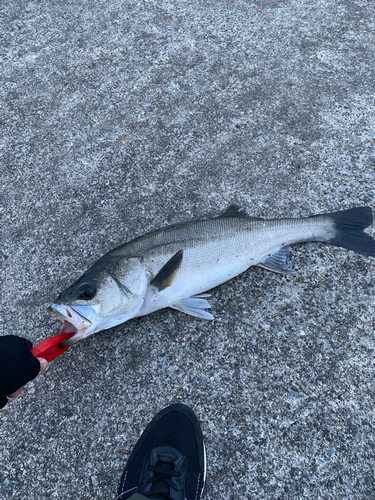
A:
(168, 273)
(195, 306)
(277, 262)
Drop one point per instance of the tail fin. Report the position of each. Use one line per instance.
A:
(349, 225)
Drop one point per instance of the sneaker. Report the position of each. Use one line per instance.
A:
(169, 460)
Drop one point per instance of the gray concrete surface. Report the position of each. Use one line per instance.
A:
(119, 117)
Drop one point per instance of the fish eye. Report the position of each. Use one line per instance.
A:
(87, 290)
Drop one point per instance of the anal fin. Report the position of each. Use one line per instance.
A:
(195, 306)
(277, 262)
(168, 273)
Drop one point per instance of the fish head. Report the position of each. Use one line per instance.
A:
(108, 294)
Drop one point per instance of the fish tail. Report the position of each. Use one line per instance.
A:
(348, 230)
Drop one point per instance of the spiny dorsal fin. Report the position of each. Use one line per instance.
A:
(233, 211)
(168, 273)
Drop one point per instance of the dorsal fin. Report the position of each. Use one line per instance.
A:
(233, 211)
(168, 273)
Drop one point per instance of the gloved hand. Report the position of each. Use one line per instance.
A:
(17, 366)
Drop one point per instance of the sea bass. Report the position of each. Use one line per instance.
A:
(174, 266)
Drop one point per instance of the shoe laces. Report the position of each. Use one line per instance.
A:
(163, 480)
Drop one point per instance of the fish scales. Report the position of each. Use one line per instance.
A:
(217, 250)
(230, 232)
(171, 267)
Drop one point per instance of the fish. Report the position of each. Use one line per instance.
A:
(175, 266)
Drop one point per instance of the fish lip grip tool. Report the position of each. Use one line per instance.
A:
(49, 349)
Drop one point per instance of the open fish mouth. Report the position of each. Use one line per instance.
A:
(72, 321)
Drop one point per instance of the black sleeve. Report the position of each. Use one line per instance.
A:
(17, 365)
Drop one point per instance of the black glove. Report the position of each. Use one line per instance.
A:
(17, 365)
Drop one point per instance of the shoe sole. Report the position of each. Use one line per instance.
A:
(204, 467)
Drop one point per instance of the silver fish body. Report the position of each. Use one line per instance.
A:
(172, 267)
(217, 250)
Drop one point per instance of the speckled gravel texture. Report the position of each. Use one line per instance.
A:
(120, 117)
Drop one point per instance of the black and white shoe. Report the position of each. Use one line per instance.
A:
(169, 460)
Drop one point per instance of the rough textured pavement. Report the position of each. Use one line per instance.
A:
(120, 117)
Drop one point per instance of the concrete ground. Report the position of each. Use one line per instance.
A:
(119, 117)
